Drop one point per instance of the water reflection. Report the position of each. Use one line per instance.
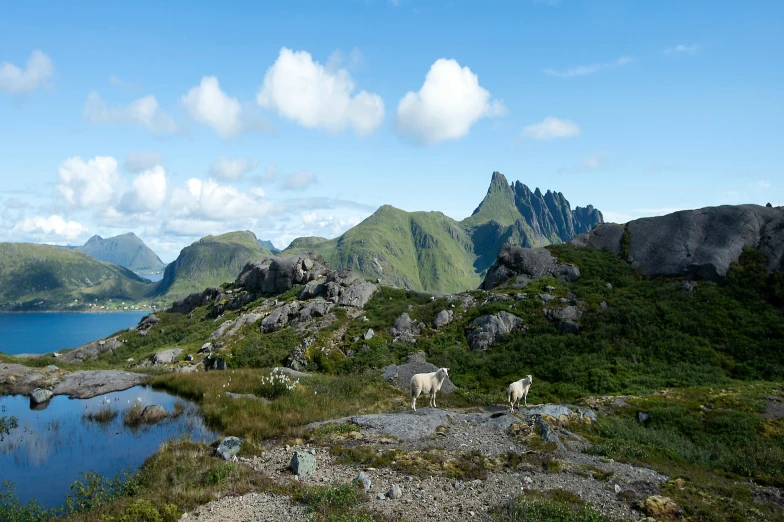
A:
(50, 447)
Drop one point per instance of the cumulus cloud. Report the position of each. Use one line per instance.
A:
(210, 200)
(141, 160)
(682, 49)
(84, 184)
(14, 80)
(208, 104)
(449, 103)
(227, 168)
(299, 180)
(145, 112)
(551, 128)
(148, 193)
(583, 70)
(303, 90)
(52, 227)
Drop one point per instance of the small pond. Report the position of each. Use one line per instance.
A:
(50, 447)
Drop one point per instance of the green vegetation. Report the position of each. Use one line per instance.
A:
(210, 261)
(6, 425)
(548, 506)
(43, 277)
(125, 250)
(104, 414)
(334, 503)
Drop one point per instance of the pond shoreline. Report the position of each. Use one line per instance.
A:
(18, 379)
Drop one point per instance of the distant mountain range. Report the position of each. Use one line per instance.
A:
(125, 250)
(433, 252)
(417, 250)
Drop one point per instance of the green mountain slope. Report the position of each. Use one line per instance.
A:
(430, 251)
(49, 277)
(210, 261)
(269, 246)
(417, 250)
(125, 250)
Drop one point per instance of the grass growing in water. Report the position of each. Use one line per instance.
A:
(104, 414)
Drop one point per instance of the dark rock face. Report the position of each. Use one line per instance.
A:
(187, 304)
(277, 274)
(696, 243)
(401, 375)
(490, 328)
(147, 322)
(526, 265)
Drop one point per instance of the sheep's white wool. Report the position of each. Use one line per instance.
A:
(427, 383)
(519, 390)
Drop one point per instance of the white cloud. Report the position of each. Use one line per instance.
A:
(227, 168)
(596, 161)
(309, 217)
(582, 70)
(679, 49)
(54, 225)
(208, 104)
(148, 193)
(14, 80)
(761, 184)
(551, 128)
(314, 96)
(449, 103)
(85, 184)
(145, 112)
(212, 201)
(141, 160)
(299, 180)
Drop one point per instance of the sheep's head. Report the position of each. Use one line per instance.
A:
(445, 371)
(530, 378)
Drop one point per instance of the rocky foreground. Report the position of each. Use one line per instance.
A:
(419, 450)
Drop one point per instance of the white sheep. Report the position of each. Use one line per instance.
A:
(518, 390)
(424, 383)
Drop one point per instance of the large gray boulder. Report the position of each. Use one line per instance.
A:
(277, 274)
(487, 329)
(315, 309)
(166, 356)
(279, 317)
(443, 318)
(405, 329)
(524, 265)
(400, 376)
(91, 351)
(695, 243)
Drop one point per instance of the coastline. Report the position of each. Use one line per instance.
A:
(76, 311)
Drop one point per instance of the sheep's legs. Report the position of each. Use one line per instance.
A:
(525, 397)
(433, 400)
(413, 401)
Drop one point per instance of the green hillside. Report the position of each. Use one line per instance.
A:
(430, 251)
(49, 277)
(269, 246)
(417, 250)
(125, 250)
(210, 261)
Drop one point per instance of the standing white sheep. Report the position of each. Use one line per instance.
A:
(518, 390)
(424, 383)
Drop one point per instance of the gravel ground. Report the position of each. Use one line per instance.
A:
(451, 500)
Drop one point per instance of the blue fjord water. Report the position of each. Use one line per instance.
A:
(49, 332)
(49, 449)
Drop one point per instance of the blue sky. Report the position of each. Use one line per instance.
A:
(301, 118)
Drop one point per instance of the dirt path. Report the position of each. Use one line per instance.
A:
(442, 436)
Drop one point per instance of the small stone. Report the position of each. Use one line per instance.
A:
(154, 413)
(643, 417)
(229, 447)
(369, 334)
(659, 507)
(528, 480)
(39, 396)
(381, 496)
(617, 489)
(52, 368)
(189, 357)
(394, 492)
(362, 479)
(303, 464)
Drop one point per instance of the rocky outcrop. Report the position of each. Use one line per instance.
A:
(91, 351)
(401, 375)
(342, 287)
(166, 356)
(443, 318)
(279, 317)
(487, 329)
(39, 395)
(188, 304)
(694, 243)
(229, 447)
(405, 329)
(277, 274)
(147, 322)
(523, 265)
